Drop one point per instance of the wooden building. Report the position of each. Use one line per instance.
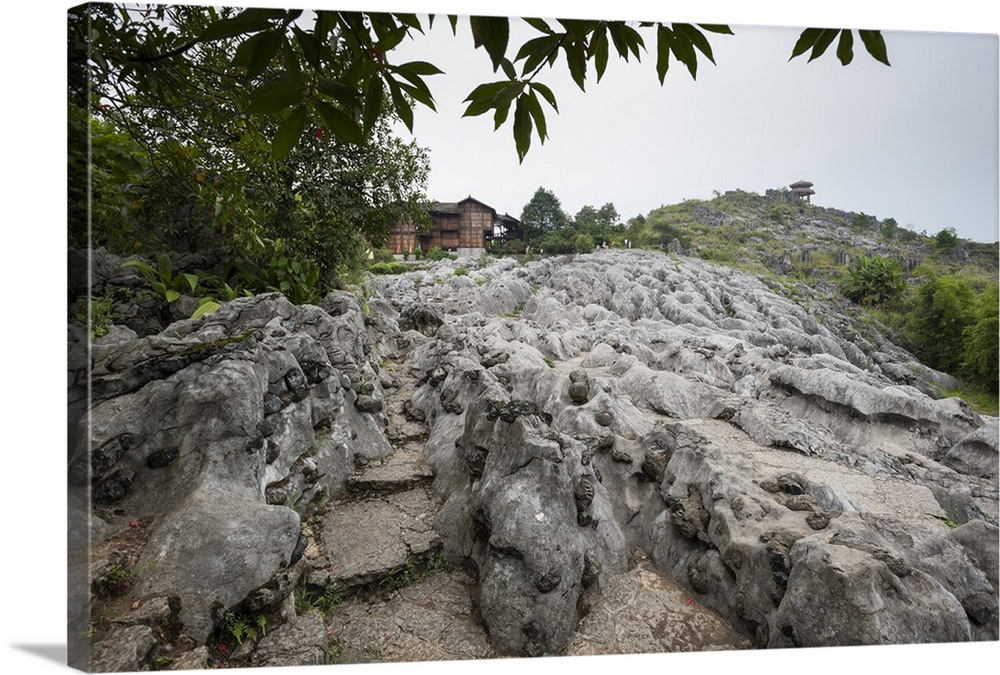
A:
(468, 225)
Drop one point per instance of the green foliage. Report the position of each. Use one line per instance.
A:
(382, 255)
(307, 600)
(557, 242)
(817, 40)
(162, 279)
(668, 223)
(542, 214)
(336, 71)
(980, 351)
(943, 310)
(890, 228)
(240, 627)
(583, 243)
(946, 239)
(437, 253)
(461, 271)
(873, 280)
(295, 278)
(95, 312)
(198, 148)
(861, 222)
(382, 268)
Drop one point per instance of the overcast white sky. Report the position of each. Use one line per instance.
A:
(916, 141)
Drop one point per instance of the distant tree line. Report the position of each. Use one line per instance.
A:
(547, 227)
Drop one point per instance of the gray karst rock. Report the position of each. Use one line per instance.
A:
(528, 460)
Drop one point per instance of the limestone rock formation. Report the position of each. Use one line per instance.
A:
(530, 451)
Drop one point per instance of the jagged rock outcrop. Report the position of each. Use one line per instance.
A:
(559, 433)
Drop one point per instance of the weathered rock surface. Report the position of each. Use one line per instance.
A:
(525, 460)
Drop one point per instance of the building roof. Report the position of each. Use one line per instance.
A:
(456, 207)
(801, 184)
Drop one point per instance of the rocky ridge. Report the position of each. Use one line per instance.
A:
(496, 463)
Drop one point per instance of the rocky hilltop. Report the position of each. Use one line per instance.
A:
(609, 453)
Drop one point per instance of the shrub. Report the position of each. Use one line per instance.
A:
(382, 255)
(583, 243)
(438, 253)
(461, 271)
(873, 280)
(944, 308)
(981, 349)
(946, 239)
(381, 268)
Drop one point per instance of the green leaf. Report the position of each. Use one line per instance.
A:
(537, 50)
(696, 38)
(241, 57)
(716, 28)
(191, 279)
(163, 268)
(493, 33)
(339, 91)
(824, 40)
(207, 306)
(421, 68)
(171, 295)
(401, 104)
(266, 47)
(453, 20)
(875, 45)
(482, 97)
(288, 133)
(500, 116)
(274, 97)
(546, 94)
(626, 39)
(537, 114)
(410, 21)
(662, 52)
(340, 124)
(539, 25)
(805, 42)
(417, 88)
(684, 51)
(845, 48)
(577, 61)
(600, 45)
(144, 269)
(522, 129)
(247, 21)
(373, 102)
(309, 44)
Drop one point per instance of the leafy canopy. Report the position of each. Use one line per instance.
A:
(336, 69)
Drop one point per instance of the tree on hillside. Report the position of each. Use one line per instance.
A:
(981, 349)
(944, 309)
(946, 239)
(335, 69)
(543, 214)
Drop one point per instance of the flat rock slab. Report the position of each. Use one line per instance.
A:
(404, 469)
(878, 494)
(642, 612)
(431, 620)
(366, 540)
